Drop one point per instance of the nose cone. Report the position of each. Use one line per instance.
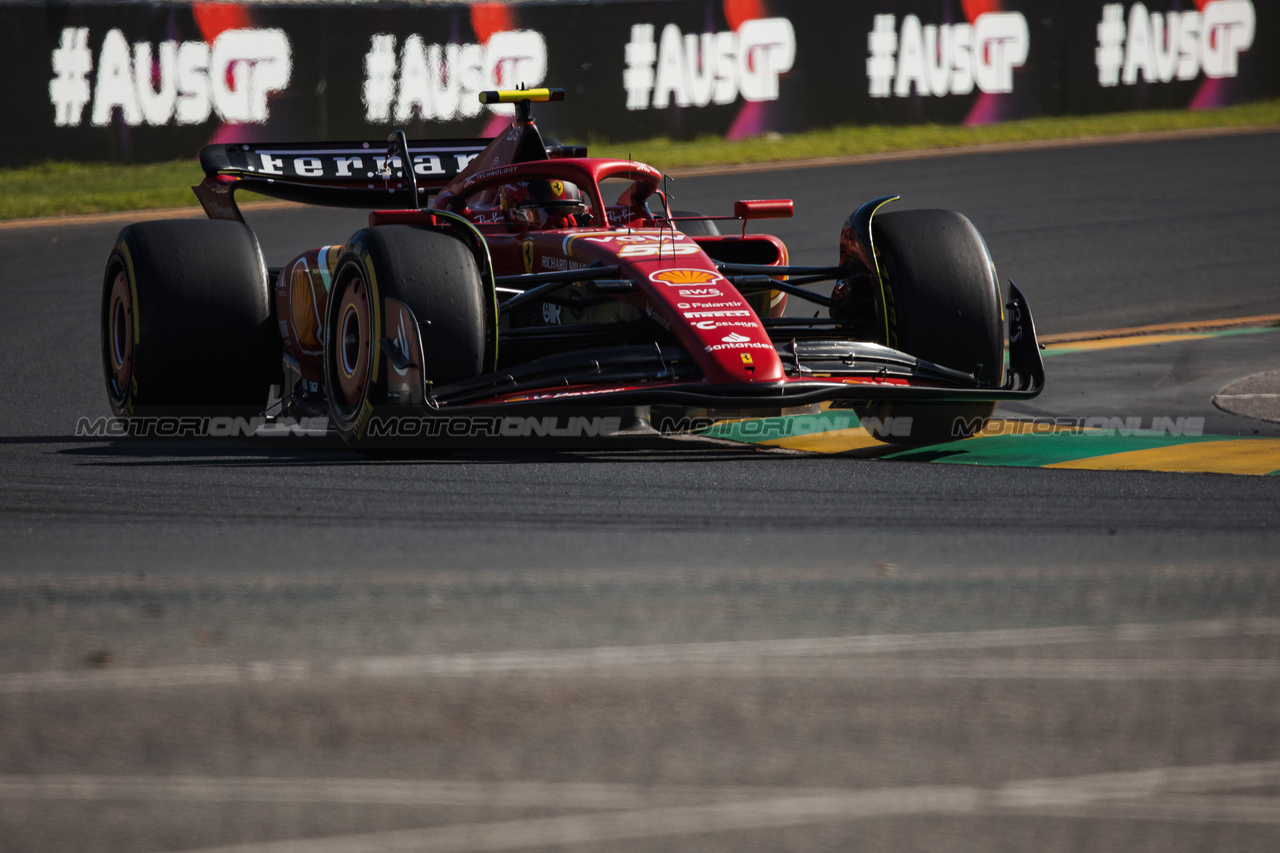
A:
(715, 323)
(740, 356)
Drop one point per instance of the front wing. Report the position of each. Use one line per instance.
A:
(564, 396)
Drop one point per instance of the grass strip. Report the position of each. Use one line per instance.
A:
(879, 139)
(58, 188)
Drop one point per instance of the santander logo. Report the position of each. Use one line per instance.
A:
(735, 338)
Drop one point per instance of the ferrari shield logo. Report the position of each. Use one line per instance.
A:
(557, 188)
(526, 250)
(746, 358)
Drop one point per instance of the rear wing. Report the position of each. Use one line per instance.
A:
(336, 174)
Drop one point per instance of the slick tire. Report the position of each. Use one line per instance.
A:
(697, 227)
(186, 321)
(942, 302)
(435, 276)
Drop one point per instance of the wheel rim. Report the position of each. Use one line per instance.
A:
(350, 350)
(349, 334)
(119, 354)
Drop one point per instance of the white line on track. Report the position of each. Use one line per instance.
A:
(387, 792)
(1162, 782)
(599, 828)
(1174, 793)
(1256, 810)
(1056, 669)
(763, 658)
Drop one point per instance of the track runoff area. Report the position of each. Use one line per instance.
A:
(1060, 438)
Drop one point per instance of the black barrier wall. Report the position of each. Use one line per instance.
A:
(152, 81)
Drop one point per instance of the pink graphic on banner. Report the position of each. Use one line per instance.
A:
(752, 120)
(1213, 93)
(753, 117)
(985, 110)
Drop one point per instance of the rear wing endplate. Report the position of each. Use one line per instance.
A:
(336, 174)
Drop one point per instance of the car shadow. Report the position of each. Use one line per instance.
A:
(235, 453)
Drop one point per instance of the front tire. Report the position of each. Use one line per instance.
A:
(385, 274)
(941, 303)
(186, 322)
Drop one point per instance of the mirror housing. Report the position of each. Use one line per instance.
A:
(775, 208)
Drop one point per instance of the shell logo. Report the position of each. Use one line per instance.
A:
(684, 277)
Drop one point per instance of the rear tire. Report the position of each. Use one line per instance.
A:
(186, 322)
(436, 277)
(942, 302)
(696, 227)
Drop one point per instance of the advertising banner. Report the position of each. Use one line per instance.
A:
(150, 81)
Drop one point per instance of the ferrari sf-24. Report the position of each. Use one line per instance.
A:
(515, 281)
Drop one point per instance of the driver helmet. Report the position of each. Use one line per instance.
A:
(542, 203)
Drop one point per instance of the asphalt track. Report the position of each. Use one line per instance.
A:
(275, 647)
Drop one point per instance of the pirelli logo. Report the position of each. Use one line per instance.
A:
(699, 314)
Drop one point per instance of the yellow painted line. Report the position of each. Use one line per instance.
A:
(836, 441)
(857, 438)
(1130, 341)
(1256, 456)
(1001, 426)
(1233, 456)
(1258, 320)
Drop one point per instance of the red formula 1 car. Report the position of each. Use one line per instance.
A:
(541, 293)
